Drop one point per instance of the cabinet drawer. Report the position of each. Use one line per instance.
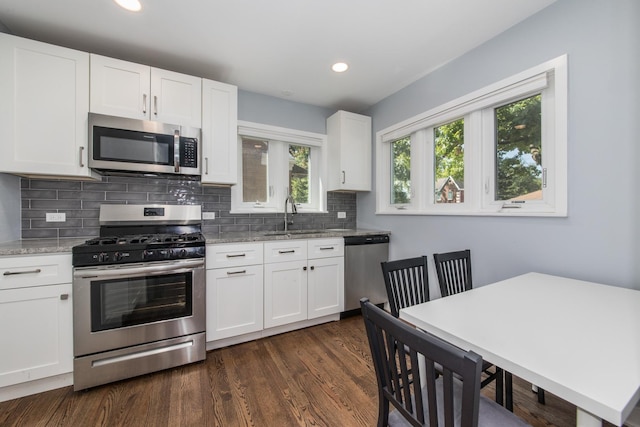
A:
(285, 250)
(35, 270)
(325, 248)
(234, 254)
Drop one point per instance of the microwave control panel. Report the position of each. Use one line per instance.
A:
(189, 153)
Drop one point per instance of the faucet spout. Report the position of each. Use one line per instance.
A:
(287, 221)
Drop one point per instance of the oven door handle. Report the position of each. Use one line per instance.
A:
(139, 269)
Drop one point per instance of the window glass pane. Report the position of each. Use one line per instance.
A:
(401, 171)
(449, 162)
(299, 173)
(519, 150)
(255, 161)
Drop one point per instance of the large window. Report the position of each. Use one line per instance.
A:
(501, 150)
(275, 162)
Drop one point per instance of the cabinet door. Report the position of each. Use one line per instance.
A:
(349, 142)
(234, 301)
(37, 333)
(44, 104)
(326, 286)
(285, 293)
(219, 133)
(176, 98)
(120, 88)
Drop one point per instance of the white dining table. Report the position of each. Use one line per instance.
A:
(578, 340)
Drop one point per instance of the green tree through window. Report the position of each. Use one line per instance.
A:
(401, 171)
(519, 150)
(299, 173)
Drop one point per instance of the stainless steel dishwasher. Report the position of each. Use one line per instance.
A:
(362, 271)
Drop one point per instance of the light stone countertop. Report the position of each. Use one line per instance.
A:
(49, 246)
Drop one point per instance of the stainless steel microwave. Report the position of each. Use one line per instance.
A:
(121, 145)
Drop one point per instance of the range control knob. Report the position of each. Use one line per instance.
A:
(182, 253)
(117, 256)
(103, 257)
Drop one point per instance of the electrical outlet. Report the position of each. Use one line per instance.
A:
(342, 215)
(56, 217)
(208, 215)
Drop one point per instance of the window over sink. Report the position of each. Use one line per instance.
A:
(274, 162)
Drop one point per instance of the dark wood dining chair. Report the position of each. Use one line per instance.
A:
(406, 282)
(451, 397)
(454, 275)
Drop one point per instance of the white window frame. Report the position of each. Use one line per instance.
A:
(279, 139)
(477, 109)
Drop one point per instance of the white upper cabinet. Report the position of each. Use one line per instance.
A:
(219, 133)
(349, 143)
(126, 89)
(44, 104)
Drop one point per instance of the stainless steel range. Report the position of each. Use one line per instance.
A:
(139, 293)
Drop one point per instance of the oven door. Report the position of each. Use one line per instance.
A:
(123, 305)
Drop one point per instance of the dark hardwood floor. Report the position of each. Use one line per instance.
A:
(320, 376)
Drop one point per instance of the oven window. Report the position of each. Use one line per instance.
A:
(121, 302)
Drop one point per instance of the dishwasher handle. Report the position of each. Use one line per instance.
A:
(366, 240)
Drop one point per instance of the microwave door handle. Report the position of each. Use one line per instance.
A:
(176, 151)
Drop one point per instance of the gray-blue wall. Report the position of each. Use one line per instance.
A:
(598, 241)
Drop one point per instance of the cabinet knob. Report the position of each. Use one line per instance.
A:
(304, 268)
(64, 297)
(312, 267)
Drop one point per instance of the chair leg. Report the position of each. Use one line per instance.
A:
(508, 385)
(499, 385)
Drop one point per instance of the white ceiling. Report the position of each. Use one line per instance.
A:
(282, 48)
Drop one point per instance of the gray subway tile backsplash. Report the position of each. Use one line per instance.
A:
(81, 202)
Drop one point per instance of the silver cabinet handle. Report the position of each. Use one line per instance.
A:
(206, 166)
(229, 273)
(144, 103)
(81, 157)
(236, 255)
(329, 248)
(64, 297)
(13, 273)
(286, 252)
(344, 177)
(155, 105)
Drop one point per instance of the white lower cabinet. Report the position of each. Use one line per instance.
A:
(285, 293)
(264, 287)
(326, 277)
(35, 318)
(234, 301)
(234, 290)
(325, 287)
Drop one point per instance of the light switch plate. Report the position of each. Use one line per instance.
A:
(342, 215)
(56, 217)
(208, 215)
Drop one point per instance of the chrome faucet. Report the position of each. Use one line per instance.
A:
(287, 221)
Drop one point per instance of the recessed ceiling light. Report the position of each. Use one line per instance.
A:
(132, 5)
(339, 67)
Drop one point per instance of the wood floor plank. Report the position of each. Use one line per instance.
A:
(319, 376)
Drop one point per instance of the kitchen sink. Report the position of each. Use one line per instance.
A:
(298, 232)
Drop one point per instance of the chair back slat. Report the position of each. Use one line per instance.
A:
(454, 272)
(395, 347)
(406, 282)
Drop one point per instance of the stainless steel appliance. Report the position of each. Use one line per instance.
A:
(138, 293)
(362, 271)
(118, 144)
